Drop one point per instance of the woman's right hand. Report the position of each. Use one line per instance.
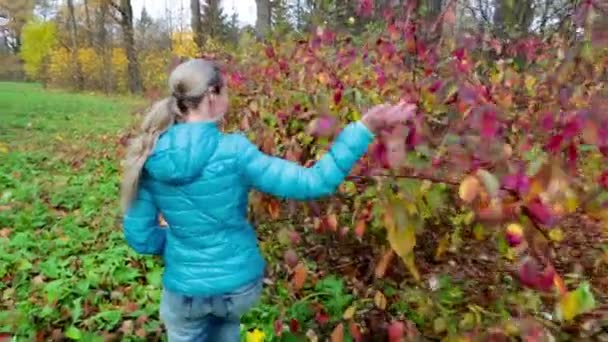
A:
(385, 115)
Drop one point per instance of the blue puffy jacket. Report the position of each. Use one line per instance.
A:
(199, 179)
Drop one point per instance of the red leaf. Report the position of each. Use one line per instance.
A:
(337, 96)
(269, 52)
(547, 122)
(294, 325)
(531, 275)
(278, 327)
(555, 143)
(604, 180)
(541, 213)
(378, 153)
(519, 182)
(396, 331)
(489, 124)
(291, 258)
(573, 127)
(322, 317)
(365, 8)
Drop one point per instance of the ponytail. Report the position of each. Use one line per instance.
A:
(159, 119)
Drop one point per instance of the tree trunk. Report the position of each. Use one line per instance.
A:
(74, 40)
(87, 18)
(102, 47)
(197, 25)
(263, 22)
(135, 85)
(513, 18)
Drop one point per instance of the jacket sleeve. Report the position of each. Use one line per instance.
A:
(142, 230)
(283, 178)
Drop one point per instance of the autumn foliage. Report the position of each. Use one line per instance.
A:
(509, 143)
(512, 136)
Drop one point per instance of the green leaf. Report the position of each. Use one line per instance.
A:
(73, 333)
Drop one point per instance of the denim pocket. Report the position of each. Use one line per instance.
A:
(243, 299)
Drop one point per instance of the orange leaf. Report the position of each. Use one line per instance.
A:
(360, 228)
(355, 332)
(338, 334)
(383, 264)
(332, 222)
(469, 189)
(299, 276)
(273, 208)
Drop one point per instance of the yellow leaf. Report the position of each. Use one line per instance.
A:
(411, 266)
(380, 300)
(469, 189)
(401, 233)
(349, 313)
(576, 302)
(556, 235)
(442, 247)
(530, 82)
(255, 336)
(3, 148)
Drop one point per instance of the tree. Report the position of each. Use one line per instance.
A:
(125, 19)
(513, 18)
(101, 44)
(74, 48)
(263, 21)
(143, 27)
(19, 12)
(39, 39)
(196, 23)
(214, 19)
(280, 16)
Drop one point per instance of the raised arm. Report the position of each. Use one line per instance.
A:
(142, 230)
(283, 178)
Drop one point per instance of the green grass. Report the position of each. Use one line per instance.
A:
(64, 264)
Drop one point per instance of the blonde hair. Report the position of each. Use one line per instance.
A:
(189, 83)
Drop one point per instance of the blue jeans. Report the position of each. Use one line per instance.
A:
(217, 318)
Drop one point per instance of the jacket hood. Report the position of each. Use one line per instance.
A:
(181, 153)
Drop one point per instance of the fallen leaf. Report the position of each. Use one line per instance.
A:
(332, 222)
(5, 232)
(355, 332)
(349, 313)
(338, 334)
(299, 276)
(396, 331)
(360, 228)
(382, 265)
(380, 300)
